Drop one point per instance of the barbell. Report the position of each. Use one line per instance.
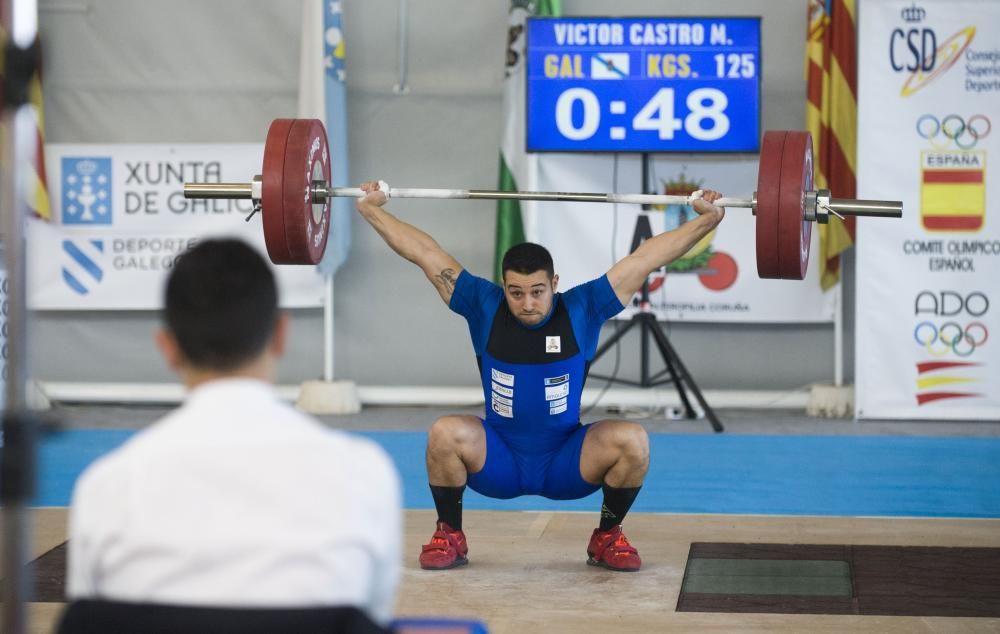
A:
(293, 194)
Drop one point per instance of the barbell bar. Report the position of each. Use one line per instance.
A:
(320, 192)
(293, 194)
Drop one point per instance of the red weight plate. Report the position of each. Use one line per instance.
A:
(768, 189)
(307, 158)
(794, 231)
(272, 179)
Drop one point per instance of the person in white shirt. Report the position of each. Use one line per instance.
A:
(235, 499)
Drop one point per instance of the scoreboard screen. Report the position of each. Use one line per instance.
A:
(677, 84)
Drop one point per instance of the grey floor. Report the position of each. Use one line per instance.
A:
(736, 421)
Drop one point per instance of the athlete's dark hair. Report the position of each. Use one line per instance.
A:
(526, 258)
(221, 304)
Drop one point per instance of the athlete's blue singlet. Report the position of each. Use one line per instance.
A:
(533, 376)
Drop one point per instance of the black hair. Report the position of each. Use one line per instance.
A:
(526, 258)
(221, 304)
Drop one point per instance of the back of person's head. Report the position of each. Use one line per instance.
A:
(526, 258)
(221, 304)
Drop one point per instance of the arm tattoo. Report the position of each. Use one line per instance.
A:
(446, 280)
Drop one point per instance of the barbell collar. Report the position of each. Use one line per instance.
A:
(320, 192)
(822, 206)
(817, 206)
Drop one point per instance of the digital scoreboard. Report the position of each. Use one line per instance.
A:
(679, 84)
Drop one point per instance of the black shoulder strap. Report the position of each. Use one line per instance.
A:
(104, 617)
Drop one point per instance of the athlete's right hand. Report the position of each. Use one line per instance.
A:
(704, 205)
(373, 195)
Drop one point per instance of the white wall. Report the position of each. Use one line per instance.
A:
(220, 70)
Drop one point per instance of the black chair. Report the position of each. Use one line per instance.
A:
(114, 617)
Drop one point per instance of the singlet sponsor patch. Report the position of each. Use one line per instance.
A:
(504, 410)
(503, 401)
(556, 380)
(561, 401)
(553, 345)
(557, 391)
(558, 409)
(502, 391)
(502, 377)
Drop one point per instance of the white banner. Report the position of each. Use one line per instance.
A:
(715, 282)
(928, 334)
(120, 220)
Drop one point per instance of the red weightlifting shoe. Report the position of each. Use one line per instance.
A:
(610, 549)
(447, 549)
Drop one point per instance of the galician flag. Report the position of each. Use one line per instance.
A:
(323, 95)
(518, 169)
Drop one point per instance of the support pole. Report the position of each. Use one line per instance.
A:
(19, 431)
(17, 473)
(328, 330)
(838, 332)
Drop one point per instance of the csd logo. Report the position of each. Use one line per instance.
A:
(916, 50)
(913, 49)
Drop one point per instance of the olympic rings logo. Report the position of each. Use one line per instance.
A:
(950, 336)
(965, 134)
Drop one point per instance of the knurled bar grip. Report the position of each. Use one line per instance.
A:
(588, 197)
(245, 190)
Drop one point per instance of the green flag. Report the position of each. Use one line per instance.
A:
(517, 167)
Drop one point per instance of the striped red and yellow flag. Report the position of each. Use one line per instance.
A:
(38, 191)
(831, 117)
(36, 184)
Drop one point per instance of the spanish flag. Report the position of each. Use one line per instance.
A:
(953, 191)
(831, 117)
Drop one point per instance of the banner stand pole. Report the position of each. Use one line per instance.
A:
(17, 468)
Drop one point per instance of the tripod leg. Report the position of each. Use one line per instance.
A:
(615, 337)
(669, 354)
(644, 378)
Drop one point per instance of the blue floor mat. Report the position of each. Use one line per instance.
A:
(767, 475)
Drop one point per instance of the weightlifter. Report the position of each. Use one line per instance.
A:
(534, 346)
